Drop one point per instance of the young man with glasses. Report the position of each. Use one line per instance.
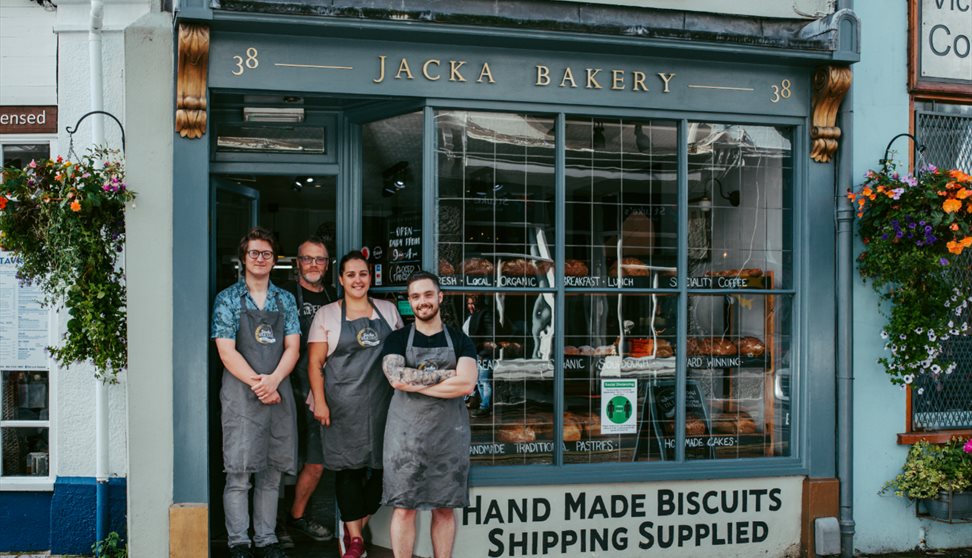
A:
(257, 334)
(312, 290)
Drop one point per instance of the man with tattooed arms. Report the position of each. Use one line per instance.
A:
(426, 453)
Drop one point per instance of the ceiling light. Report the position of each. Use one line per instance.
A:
(273, 114)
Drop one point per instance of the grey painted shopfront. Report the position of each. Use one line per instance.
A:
(638, 213)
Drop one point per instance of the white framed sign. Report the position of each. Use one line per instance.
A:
(946, 40)
(24, 321)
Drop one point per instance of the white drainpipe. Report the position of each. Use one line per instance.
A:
(101, 388)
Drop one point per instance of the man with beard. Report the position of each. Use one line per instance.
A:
(311, 291)
(426, 452)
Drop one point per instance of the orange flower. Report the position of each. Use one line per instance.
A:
(866, 191)
(959, 175)
(3, 202)
(966, 242)
(860, 214)
(953, 226)
(963, 193)
(851, 196)
(75, 206)
(951, 206)
(954, 247)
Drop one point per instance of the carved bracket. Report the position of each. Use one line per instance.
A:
(830, 84)
(190, 116)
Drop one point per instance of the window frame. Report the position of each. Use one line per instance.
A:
(45, 484)
(798, 462)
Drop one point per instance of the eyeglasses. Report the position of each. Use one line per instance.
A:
(260, 254)
(307, 260)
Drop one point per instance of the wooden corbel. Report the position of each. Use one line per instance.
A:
(190, 116)
(830, 84)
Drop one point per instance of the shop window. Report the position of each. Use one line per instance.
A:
(496, 240)
(18, 155)
(942, 403)
(392, 197)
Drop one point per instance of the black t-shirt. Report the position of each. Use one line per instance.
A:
(396, 343)
(311, 303)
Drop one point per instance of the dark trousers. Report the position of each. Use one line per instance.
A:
(358, 492)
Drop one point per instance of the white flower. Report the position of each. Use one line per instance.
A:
(884, 335)
(921, 391)
(951, 324)
(931, 335)
(919, 330)
(951, 368)
(902, 337)
(908, 378)
(936, 369)
(965, 326)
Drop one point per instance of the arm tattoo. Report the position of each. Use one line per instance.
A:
(396, 372)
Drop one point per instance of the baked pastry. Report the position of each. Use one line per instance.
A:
(446, 268)
(513, 433)
(586, 350)
(573, 427)
(751, 347)
(720, 346)
(575, 268)
(511, 349)
(632, 267)
(543, 267)
(571, 350)
(734, 424)
(519, 268)
(710, 346)
(694, 427)
(605, 350)
(477, 266)
(645, 347)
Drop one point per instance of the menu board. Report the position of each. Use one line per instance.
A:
(662, 402)
(404, 250)
(23, 320)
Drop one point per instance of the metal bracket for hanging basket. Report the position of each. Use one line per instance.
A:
(71, 131)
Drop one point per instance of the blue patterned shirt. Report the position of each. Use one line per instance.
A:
(226, 310)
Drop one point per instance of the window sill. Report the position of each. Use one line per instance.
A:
(26, 484)
(935, 437)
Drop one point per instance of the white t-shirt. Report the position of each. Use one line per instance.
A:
(326, 326)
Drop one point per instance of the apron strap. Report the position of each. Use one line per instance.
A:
(445, 330)
(300, 297)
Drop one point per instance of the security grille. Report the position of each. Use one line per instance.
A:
(945, 402)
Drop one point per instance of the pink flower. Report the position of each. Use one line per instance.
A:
(32, 164)
(968, 446)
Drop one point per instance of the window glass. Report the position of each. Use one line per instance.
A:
(496, 199)
(511, 412)
(19, 155)
(737, 391)
(392, 197)
(25, 399)
(610, 337)
(621, 201)
(740, 205)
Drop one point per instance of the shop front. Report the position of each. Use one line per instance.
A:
(633, 230)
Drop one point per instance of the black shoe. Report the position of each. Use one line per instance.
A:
(481, 412)
(240, 551)
(310, 528)
(270, 551)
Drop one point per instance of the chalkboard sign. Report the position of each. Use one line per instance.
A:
(404, 255)
(662, 403)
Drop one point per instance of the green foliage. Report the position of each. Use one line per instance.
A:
(66, 221)
(112, 546)
(932, 468)
(915, 230)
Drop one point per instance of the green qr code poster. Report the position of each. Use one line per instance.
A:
(619, 406)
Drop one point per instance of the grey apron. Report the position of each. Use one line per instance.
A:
(427, 440)
(257, 436)
(357, 395)
(299, 377)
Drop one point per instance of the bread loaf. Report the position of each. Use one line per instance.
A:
(519, 268)
(575, 268)
(477, 266)
(751, 347)
(445, 268)
(631, 267)
(513, 433)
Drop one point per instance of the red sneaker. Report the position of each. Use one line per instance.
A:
(355, 549)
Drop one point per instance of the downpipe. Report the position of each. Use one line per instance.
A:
(101, 388)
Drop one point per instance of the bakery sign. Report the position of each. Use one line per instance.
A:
(28, 119)
(735, 517)
(946, 39)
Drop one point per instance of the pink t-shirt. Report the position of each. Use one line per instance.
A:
(326, 326)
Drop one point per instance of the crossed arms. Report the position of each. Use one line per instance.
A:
(444, 384)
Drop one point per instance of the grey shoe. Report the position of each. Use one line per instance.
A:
(310, 528)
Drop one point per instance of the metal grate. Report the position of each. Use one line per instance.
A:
(946, 132)
(945, 402)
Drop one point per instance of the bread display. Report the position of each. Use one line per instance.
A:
(519, 268)
(543, 266)
(645, 347)
(477, 266)
(573, 427)
(751, 347)
(512, 433)
(710, 346)
(747, 273)
(571, 350)
(446, 268)
(694, 427)
(741, 423)
(605, 350)
(631, 267)
(575, 268)
(511, 349)
(586, 350)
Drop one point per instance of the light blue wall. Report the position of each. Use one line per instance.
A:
(881, 111)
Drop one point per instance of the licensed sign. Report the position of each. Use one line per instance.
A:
(28, 119)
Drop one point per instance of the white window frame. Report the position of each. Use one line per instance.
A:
(54, 335)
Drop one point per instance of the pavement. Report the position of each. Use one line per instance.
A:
(950, 553)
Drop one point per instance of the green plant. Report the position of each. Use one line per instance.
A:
(112, 546)
(915, 230)
(66, 222)
(932, 468)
